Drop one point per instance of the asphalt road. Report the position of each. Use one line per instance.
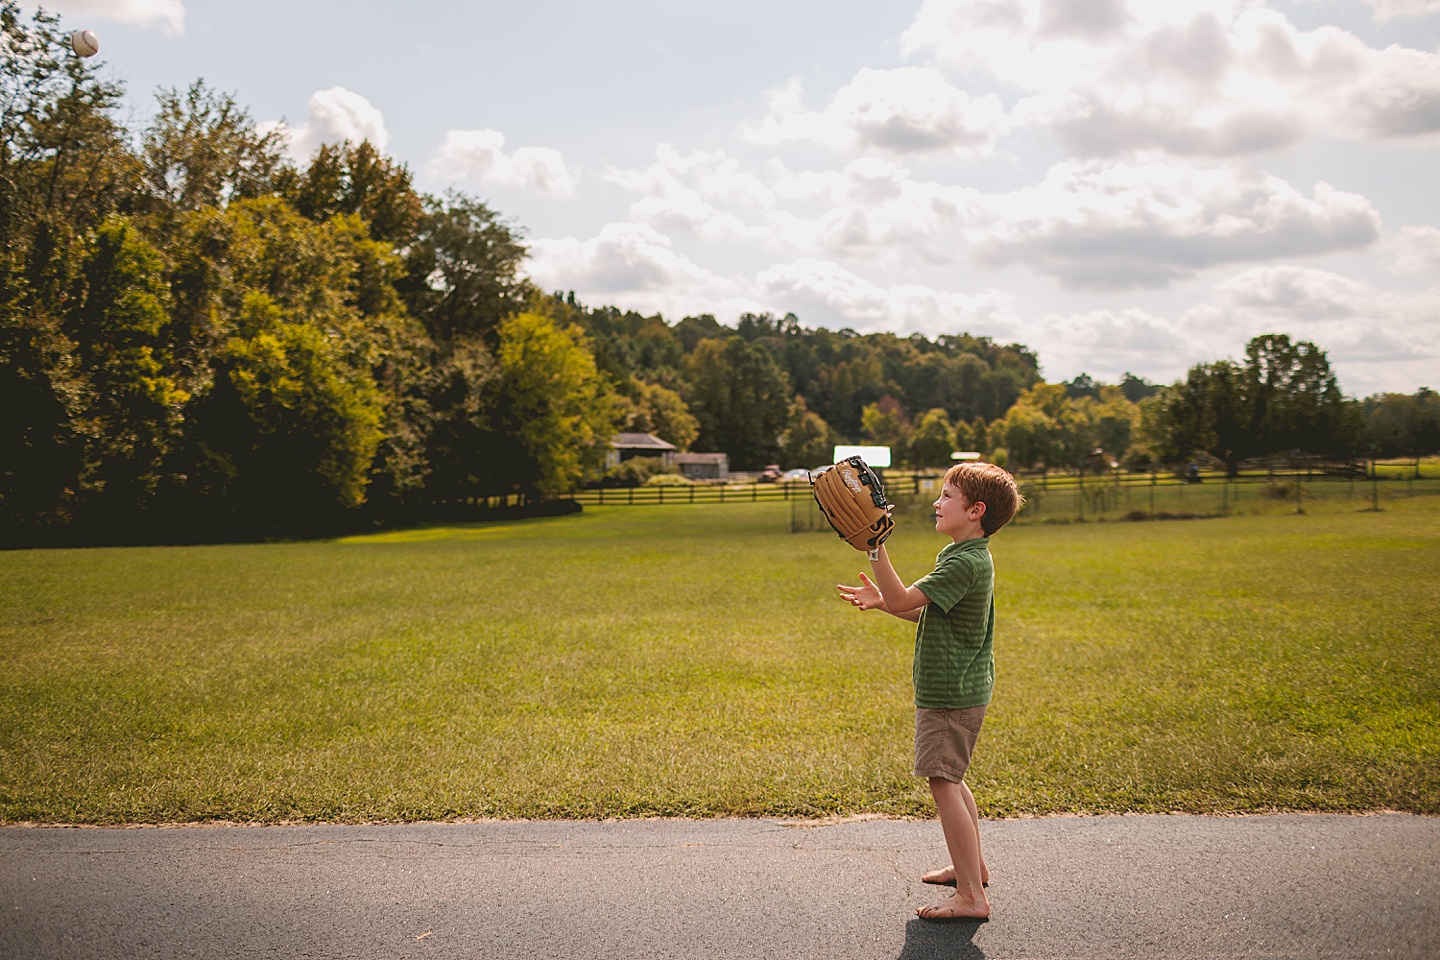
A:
(1302, 886)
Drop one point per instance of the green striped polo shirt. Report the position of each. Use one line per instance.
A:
(954, 641)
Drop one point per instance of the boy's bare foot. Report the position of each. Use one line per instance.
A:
(945, 876)
(954, 908)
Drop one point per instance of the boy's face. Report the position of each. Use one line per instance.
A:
(955, 515)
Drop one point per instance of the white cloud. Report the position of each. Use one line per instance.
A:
(1386, 10)
(1106, 225)
(1375, 340)
(1190, 78)
(479, 155)
(824, 292)
(634, 266)
(911, 110)
(679, 192)
(336, 115)
(168, 15)
(1090, 224)
(1415, 250)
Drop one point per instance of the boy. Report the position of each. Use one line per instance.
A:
(954, 669)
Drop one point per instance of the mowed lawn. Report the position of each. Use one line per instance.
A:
(695, 661)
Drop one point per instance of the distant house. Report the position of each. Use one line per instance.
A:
(626, 446)
(704, 466)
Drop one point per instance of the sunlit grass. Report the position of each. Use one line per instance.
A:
(695, 661)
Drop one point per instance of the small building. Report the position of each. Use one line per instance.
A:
(627, 446)
(703, 466)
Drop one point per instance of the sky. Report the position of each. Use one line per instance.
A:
(1120, 185)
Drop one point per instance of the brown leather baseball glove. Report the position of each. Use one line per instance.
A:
(853, 500)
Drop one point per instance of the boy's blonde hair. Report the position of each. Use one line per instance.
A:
(991, 485)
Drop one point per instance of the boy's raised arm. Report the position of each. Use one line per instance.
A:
(899, 599)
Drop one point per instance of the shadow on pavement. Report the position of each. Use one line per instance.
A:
(946, 940)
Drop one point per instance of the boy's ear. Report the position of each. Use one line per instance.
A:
(977, 514)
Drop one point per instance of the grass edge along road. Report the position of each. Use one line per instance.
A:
(691, 661)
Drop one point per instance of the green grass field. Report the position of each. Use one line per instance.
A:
(695, 661)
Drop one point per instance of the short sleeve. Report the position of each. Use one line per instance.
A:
(950, 581)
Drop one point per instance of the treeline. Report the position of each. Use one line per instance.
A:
(771, 390)
(199, 337)
(1282, 400)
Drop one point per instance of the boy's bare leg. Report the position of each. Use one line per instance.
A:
(962, 837)
(946, 875)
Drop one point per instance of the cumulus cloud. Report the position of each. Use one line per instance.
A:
(1387, 10)
(479, 155)
(1106, 225)
(634, 266)
(826, 292)
(1190, 77)
(167, 15)
(1097, 224)
(690, 192)
(335, 115)
(1376, 340)
(911, 110)
(1415, 250)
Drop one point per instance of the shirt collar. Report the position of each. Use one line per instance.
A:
(951, 549)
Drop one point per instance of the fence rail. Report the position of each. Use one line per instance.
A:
(1063, 498)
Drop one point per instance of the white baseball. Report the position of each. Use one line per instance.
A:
(84, 43)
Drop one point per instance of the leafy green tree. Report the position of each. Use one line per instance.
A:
(1402, 424)
(291, 429)
(652, 408)
(741, 399)
(134, 402)
(808, 440)
(357, 179)
(933, 440)
(201, 149)
(554, 401)
(1285, 397)
(462, 270)
(1028, 435)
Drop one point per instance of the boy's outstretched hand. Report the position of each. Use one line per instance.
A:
(866, 596)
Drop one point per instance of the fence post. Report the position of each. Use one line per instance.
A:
(1299, 493)
(1153, 481)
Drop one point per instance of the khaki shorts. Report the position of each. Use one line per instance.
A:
(945, 741)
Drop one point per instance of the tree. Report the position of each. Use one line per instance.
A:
(1402, 424)
(357, 179)
(1285, 397)
(290, 429)
(933, 440)
(203, 150)
(554, 401)
(652, 408)
(740, 398)
(462, 270)
(134, 402)
(808, 440)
